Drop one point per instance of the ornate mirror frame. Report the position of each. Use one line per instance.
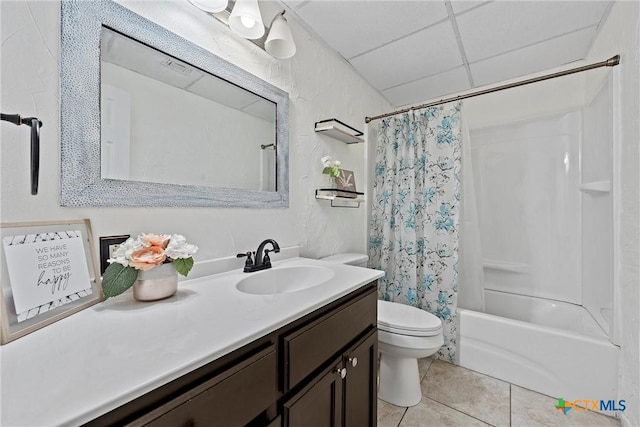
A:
(81, 180)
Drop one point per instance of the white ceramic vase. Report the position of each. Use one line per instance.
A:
(155, 284)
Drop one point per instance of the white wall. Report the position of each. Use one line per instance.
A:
(621, 34)
(542, 99)
(320, 83)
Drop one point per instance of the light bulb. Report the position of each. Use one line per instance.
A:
(245, 19)
(247, 22)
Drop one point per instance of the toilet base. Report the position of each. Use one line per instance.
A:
(399, 380)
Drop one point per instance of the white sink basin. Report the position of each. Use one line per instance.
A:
(283, 280)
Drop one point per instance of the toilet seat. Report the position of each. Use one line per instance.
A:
(403, 319)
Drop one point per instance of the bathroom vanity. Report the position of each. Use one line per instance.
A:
(211, 355)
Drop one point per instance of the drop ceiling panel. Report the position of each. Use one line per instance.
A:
(502, 26)
(409, 50)
(429, 88)
(538, 57)
(419, 55)
(354, 27)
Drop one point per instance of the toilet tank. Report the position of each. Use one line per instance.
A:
(351, 258)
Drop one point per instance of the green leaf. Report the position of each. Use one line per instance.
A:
(183, 265)
(117, 279)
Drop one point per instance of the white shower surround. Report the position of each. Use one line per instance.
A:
(549, 294)
(526, 176)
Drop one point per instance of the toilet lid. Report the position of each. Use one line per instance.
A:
(406, 320)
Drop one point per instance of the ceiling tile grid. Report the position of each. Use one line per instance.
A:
(413, 51)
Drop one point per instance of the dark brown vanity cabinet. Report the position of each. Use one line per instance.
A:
(320, 370)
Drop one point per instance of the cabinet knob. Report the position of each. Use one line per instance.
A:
(353, 361)
(342, 372)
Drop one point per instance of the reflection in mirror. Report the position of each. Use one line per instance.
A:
(188, 129)
(166, 121)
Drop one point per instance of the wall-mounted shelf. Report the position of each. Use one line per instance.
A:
(597, 187)
(512, 267)
(338, 130)
(340, 198)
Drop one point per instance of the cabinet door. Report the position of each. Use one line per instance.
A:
(320, 403)
(361, 385)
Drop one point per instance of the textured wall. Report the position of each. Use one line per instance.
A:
(320, 83)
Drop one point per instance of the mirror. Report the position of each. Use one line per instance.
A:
(150, 119)
(154, 108)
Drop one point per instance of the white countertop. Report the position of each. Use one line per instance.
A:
(85, 365)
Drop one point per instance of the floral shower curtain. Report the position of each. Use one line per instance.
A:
(415, 213)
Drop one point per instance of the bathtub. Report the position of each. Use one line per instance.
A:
(551, 347)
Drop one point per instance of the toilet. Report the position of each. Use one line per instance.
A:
(405, 334)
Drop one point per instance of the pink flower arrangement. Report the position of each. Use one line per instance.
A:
(144, 253)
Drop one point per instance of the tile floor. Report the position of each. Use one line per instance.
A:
(455, 396)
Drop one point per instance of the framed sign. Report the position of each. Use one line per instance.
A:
(346, 184)
(48, 273)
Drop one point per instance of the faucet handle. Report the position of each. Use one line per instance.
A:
(249, 261)
(265, 258)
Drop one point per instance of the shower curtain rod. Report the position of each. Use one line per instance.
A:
(611, 62)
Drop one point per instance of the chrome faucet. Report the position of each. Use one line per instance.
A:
(261, 260)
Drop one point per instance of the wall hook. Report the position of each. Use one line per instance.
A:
(35, 125)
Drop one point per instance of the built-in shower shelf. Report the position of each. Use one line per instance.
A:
(596, 187)
(512, 267)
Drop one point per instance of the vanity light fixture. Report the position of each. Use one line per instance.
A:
(243, 16)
